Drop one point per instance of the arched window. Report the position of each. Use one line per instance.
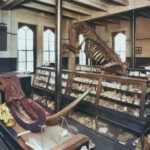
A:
(48, 46)
(82, 56)
(25, 49)
(120, 45)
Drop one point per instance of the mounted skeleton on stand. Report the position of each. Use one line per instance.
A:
(95, 49)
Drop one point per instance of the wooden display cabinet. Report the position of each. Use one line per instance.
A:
(126, 95)
(84, 118)
(45, 79)
(81, 82)
(139, 72)
(123, 102)
(117, 133)
(44, 86)
(41, 78)
(85, 68)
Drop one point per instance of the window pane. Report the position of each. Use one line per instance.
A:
(21, 66)
(45, 57)
(25, 28)
(52, 36)
(81, 38)
(21, 56)
(29, 55)
(45, 36)
(21, 33)
(25, 49)
(29, 44)
(83, 46)
(21, 44)
(82, 59)
(48, 45)
(52, 46)
(29, 34)
(123, 56)
(120, 45)
(52, 57)
(82, 56)
(45, 46)
(30, 66)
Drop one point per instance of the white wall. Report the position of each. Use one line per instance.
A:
(105, 32)
(12, 18)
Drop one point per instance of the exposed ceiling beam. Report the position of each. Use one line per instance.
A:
(144, 14)
(113, 10)
(113, 21)
(49, 2)
(77, 8)
(92, 3)
(98, 23)
(121, 2)
(49, 9)
(123, 17)
(9, 4)
(69, 6)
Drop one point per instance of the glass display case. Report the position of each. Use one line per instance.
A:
(80, 83)
(118, 102)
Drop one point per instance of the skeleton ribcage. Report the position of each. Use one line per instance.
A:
(99, 51)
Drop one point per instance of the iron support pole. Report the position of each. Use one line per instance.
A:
(133, 38)
(58, 66)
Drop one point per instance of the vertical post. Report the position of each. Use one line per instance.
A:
(133, 38)
(58, 68)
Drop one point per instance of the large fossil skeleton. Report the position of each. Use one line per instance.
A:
(96, 49)
(27, 112)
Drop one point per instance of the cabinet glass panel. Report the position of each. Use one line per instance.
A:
(116, 133)
(40, 80)
(51, 85)
(120, 96)
(47, 102)
(83, 118)
(65, 78)
(80, 84)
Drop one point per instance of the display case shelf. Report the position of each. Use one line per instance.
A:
(122, 101)
(119, 102)
(116, 133)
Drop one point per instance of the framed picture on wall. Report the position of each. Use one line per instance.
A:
(138, 50)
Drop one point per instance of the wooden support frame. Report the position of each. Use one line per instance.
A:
(11, 4)
(49, 9)
(144, 14)
(68, 6)
(113, 21)
(117, 9)
(121, 2)
(95, 4)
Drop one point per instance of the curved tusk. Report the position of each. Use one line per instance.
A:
(51, 120)
(33, 125)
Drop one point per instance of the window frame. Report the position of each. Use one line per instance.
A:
(49, 50)
(82, 53)
(33, 28)
(114, 34)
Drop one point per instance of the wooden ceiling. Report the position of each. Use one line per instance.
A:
(99, 12)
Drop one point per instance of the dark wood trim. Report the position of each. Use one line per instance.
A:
(144, 39)
(50, 28)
